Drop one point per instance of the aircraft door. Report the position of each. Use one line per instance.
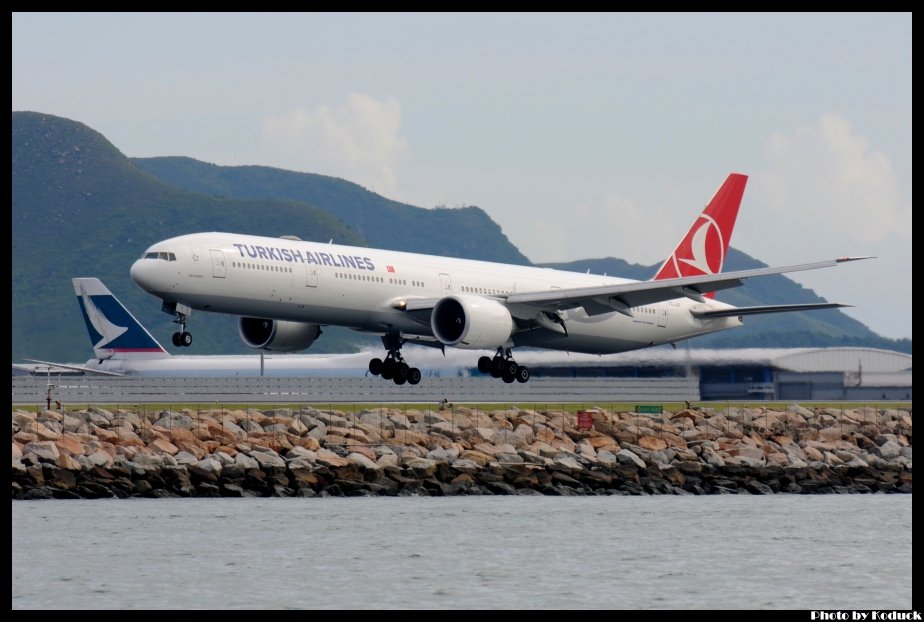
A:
(446, 283)
(218, 264)
(662, 315)
(311, 279)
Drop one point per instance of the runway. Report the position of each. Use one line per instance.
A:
(123, 390)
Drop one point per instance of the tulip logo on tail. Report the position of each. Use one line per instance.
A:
(702, 250)
(705, 249)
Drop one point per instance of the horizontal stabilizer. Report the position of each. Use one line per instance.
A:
(737, 311)
(82, 368)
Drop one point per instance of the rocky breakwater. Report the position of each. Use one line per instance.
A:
(97, 453)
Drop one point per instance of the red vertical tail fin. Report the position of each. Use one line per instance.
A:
(702, 250)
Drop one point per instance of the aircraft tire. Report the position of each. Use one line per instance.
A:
(522, 374)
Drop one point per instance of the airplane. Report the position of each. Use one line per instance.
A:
(122, 346)
(284, 291)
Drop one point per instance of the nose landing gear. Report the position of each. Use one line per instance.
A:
(182, 338)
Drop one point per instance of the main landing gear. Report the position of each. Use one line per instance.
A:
(182, 338)
(503, 366)
(393, 367)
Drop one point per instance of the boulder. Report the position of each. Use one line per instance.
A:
(268, 459)
(70, 445)
(362, 461)
(162, 445)
(889, 450)
(149, 460)
(607, 457)
(652, 443)
(245, 462)
(207, 469)
(98, 458)
(624, 456)
(569, 462)
(299, 452)
(387, 460)
(443, 455)
(330, 459)
(422, 467)
(185, 458)
(250, 426)
(745, 461)
(463, 465)
(68, 462)
(46, 451)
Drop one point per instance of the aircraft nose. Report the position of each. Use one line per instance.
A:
(142, 273)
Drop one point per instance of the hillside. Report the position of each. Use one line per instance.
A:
(466, 232)
(81, 208)
(816, 328)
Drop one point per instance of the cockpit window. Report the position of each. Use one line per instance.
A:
(161, 255)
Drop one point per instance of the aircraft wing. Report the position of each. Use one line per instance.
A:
(89, 370)
(738, 311)
(608, 298)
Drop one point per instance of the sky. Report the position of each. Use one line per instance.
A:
(580, 135)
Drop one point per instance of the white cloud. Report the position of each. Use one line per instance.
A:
(826, 175)
(359, 140)
(616, 226)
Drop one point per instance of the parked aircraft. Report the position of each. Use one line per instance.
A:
(122, 346)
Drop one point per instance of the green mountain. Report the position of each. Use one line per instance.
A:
(816, 328)
(81, 208)
(466, 232)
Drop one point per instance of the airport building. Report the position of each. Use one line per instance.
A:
(753, 373)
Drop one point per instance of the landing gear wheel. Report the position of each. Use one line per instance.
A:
(508, 378)
(497, 367)
(522, 374)
(375, 367)
(510, 368)
(484, 365)
(388, 369)
(185, 339)
(401, 371)
(399, 380)
(413, 375)
(176, 340)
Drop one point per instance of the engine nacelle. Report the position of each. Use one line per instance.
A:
(471, 322)
(277, 335)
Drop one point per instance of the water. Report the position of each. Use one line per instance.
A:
(845, 551)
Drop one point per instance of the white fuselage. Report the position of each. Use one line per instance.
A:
(364, 289)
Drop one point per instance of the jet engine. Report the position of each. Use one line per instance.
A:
(277, 335)
(471, 322)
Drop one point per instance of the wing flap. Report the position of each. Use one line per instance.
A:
(738, 311)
